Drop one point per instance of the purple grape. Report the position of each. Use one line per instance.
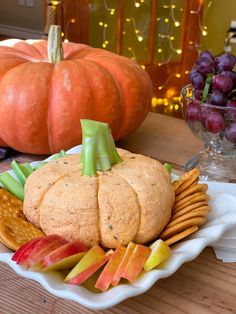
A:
(214, 122)
(205, 111)
(230, 74)
(198, 94)
(230, 132)
(225, 62)
(193, 111)
(205, 65)
(207, 54)
(217, 98)
(222, 83)
(197, 80)
(192, 73)
(231, 113)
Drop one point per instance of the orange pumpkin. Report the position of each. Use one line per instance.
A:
(42, 102)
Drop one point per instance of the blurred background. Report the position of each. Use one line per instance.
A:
(164, 36)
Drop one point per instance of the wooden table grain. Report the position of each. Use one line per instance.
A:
(205, 285)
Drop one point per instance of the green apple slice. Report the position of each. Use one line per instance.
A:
(160, 252)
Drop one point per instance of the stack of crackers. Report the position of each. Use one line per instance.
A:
(190, 208)
(14, 229)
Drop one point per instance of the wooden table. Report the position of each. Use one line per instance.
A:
(204, 285)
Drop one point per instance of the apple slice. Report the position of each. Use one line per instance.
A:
(94, 259)
(42, 248)
(160, 252)
(106, 276)
(136, 262)
(24, 249)
(129, 250)
(65, 263)
(65, 256)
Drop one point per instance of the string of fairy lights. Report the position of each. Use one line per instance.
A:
(167, 41)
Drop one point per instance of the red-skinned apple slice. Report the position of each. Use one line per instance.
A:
(129, 250)
(65, 256)
(136, 262)
(42, 248)
(106, 276)
(23, 251)
(65, 263)
(94, 259)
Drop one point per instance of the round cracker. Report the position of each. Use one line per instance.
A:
(170, 231)
(186, 216)
(191, 190)
(191, 199)
(10, 210)
(196, 206)
(185, 180)
(177, 237)
(7, 197)
(14, 232)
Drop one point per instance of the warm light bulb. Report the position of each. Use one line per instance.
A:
(172, 38)
(62, 34)
(179, 51)
(100, 23)
(177, 23)
(204, 33)
(160, 87)
(54, 2)
(136, 31)
(178, 75)
(186, 72)
(140, 38)
(105, 25)
(106, 42)
(166, 20)
(137, 4)
(176, 107)
(112, 12)
(143, 66)
(173, 6)
(72, 21)
(159, 50)
(66, 40)
(104, 45)
(127, 19)
(129, 48)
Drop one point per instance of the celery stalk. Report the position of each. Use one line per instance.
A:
(18, 172)
(39, 165)
(98, 151)
(12, 185)
(26, 168)
(168, 167)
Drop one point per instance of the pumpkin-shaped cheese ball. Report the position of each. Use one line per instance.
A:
(130, 202)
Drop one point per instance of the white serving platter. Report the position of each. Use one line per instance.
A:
(221, 218)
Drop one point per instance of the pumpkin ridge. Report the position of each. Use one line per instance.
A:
(49, 109)
(116, 83)
(44, 194)
(98, 213)
(138, 203)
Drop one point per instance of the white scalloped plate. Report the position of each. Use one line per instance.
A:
(222, 218)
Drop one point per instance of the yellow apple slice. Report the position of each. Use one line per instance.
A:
(160, 252)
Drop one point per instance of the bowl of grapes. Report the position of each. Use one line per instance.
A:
(209, 108)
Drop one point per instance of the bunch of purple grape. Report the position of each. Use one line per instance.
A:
(214, 94)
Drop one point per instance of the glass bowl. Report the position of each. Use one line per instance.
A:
(216, 127)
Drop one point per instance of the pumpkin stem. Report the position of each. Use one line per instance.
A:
(99, 150)
(55, 50)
